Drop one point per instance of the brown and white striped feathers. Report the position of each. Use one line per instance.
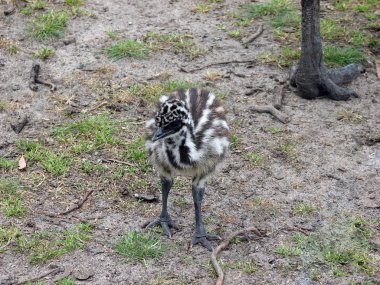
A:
(189, 134)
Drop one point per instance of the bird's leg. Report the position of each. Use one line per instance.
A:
(164, 219)
(200, 235)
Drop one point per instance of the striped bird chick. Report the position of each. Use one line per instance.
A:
(189, 138)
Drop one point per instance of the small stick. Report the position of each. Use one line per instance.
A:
(117, 161)
(306, 232)
(254, 36)
(278, 96)
(271, 110)
(79, 205)
(222, 246)
(32, 280)
(34, 79)
(101, 104)
(216, 63)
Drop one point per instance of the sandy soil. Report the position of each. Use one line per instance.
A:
(329, 162)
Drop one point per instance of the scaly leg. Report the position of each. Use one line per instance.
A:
(164, 219)
(200, 235)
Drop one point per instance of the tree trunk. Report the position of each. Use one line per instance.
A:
(311, 78)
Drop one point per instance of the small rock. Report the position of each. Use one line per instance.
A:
(83, 273)
(69, 40)
(16, 87)
(278, 176)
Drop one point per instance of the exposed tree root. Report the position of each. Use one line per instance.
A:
(222, 246)
(79, 205)
(216, 63)
(254, 36)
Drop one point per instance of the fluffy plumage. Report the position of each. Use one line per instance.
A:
(189, 137)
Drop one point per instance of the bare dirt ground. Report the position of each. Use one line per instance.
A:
(313, 175)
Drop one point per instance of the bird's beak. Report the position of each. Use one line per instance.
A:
(162, 133)
(167, 130)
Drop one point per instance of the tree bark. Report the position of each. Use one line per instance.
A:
(311, 78)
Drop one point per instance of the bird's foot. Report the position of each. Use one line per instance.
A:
(203, 240)
(165, 223)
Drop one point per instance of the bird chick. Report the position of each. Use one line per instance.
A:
(189, 138)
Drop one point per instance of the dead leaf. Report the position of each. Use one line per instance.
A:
(378, 68)
(21, 163)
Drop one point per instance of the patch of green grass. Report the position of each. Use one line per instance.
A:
(337, 272)
(255, 158)
(12, 49)
(287, 251)
(90, 167)
(8, 235)
(202, 8)
(73, 2)
(136, 246)
(173, 42)
(152, 92)
(10, 201)
(50, 24)
(243, 22)
(7, 164)
(287, 20)
(245, 266)
(302, 208)
(274, 8)
(12, 207)
(26, 11)
(65, 281)
(111, 34)
(235, 33)
(335, 56)
(89, 134)
(284, 147)
(127, 48)
(44, 246)
(274, 130)
(3, 105)
(360, 228)
(55, 163)
(302, 240)
(30, 149)
(234, 141)
(44, 53)
(287, 57)
(37, 5)
(135, 153)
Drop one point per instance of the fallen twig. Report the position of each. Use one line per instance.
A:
(271, 110)
(216, 63)
(101, 104)
(79, 205)
(254, 36)
(34, 279)
(278, 96)
(34, 73)
(306, 232)
(117, 161)
(222, 246)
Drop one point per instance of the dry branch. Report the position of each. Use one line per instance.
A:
(271, 110)
(254, 36)
(222, 246)
(278, 96)
(216, 63)
(34, 73)
(118, 161)
(79, 205)
(34, 279)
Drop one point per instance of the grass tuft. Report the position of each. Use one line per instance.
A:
(127, 48)
(287, 251)
(43, 246)
(335, 56)
(50, 24)
(176, 43)
(44, 53)
(136, 246)
(10, 200)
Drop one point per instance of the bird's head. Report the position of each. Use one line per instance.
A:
(171, 117)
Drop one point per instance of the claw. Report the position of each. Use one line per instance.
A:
(203, 240)
(165, 224)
